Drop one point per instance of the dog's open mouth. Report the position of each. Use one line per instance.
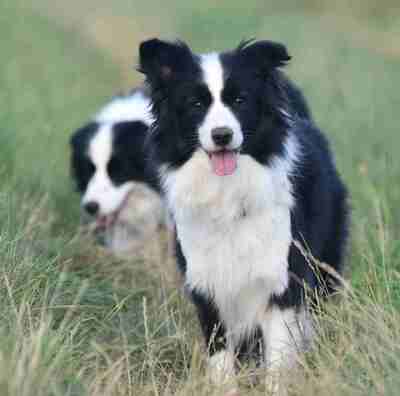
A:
(104, 222)
(224, 162)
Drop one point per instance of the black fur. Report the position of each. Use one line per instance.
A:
(82, 168)
(128, 161)
(319, 220)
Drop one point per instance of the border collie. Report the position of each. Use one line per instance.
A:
(246, 173)
(109, 164)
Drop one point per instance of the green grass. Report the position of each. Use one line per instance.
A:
(75, 321)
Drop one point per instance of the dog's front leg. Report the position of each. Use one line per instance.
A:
(221, 357)
(285, 333)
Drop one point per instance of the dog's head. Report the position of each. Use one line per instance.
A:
(225, 104)
(108, 157)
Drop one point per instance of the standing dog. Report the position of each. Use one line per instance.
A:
(245, 173)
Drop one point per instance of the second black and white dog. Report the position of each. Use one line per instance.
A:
(245, 173)
(118, 186)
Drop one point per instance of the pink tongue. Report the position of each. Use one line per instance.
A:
(223, 162)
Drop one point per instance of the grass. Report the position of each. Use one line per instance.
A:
(76, 321)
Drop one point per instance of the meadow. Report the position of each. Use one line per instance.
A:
(75, 320)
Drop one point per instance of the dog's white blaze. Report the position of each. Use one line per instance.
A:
(100, 188)
(100, 147)
(218, 115)
(235, 233)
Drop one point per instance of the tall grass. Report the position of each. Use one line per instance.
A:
(76, 321)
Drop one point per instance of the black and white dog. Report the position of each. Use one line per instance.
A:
(245, 173)
(109, 164)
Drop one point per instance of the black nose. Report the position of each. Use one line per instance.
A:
(92, 208)
(222, 136)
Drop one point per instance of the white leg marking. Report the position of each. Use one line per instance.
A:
(286, 333)
(221, 367)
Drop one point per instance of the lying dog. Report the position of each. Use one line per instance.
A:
(118, 185)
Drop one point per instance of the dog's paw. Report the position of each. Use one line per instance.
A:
(274, 387)
(233, 392)
(221, 368)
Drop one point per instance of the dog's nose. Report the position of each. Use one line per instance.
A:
(222, 136)
(92, 208)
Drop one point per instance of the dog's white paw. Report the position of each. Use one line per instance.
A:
(273, 386)
(233, 392)
(221, 367)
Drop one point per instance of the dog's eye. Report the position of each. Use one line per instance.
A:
(196, 103)
(239, 100)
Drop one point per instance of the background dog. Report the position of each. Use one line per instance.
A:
(118, 185)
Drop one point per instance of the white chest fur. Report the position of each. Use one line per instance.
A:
(234, 232)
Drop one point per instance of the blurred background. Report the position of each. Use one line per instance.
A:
(62, 60)
(65, 59)
(117, 28)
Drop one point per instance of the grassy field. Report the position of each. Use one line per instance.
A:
(75, 321)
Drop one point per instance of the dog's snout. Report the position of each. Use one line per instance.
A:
(222, 136)
(92, 208)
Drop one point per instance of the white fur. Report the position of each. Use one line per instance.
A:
(135, 107)
(221, 367)
(235, 232)
(138, 222)
(100, 188)
(218, 115)
(286, 333)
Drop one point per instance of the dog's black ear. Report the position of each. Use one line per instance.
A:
(161, 61)
(263, 54)
(82, 135)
